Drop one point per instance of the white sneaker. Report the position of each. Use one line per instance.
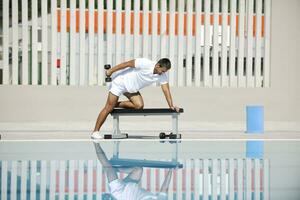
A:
(96, 135)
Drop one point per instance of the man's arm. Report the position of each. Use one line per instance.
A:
(166, 90)
(121, 66)
(165, 186)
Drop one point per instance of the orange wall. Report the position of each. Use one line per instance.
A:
(141, 22)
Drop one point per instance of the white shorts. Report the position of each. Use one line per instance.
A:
(117, 86)
(131, 190)
(122, 190)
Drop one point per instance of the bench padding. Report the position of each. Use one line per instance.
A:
(145, 111)
(125, 163)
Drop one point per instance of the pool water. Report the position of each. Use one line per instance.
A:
(150, 169)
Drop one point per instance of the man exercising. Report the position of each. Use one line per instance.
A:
(129, 187)
(129, 78)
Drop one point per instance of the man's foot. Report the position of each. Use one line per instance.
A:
(96, 135)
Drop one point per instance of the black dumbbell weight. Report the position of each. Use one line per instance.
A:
(162, 135)
(107, 67)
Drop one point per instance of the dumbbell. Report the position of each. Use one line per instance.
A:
(170, 141)
(115, 136)
(107, 67)
(163, 135)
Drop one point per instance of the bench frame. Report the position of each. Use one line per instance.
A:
(116, 113)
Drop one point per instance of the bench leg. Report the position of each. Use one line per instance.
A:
(116, 127)
(116, 149)
(175, 124)
(175, 131)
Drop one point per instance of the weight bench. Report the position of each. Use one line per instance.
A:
(118, 162)
(116, 113)
(130, 163)
(123, 162)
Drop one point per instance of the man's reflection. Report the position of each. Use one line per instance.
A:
(129, 187)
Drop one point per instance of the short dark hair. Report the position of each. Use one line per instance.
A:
(165, 62)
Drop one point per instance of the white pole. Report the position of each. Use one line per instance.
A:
(90, 180)
(257, 175)
(71, 179)
(52, 186)
(136, 40)
(43, 183)
(258, 56)
(100, 43)
(62, 171)
(24, 168)
(118, 38)
(109, 32)
(241, 51)
(34, 42)
(13, 180)
(215, 173)
(145, 28)
(24, 42)
(128, 48)
(44, 42)
(172, 43)
(205, 180)
(180, 69)
(189, 43)
(63, 43)
(163, 29)
(249, 59)
(248, 184)
(198, 53)
(154, 29)
(206, 69)
(80, 179)
(15, 43)
(232, 50)
(82, 43)
(223, 183)
(215, 47)
(72, 42)
(33, 179)
(6, 78)
(53, 42)
(224, 55)
(267, 36)
(91, 28)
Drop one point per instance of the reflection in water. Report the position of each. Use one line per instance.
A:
(93, 171)
(129, 187)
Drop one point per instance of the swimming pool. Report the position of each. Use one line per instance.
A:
(183, 169)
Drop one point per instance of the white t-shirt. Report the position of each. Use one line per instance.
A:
(142, 75)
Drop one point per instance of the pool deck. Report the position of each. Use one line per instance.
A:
(207, 135)
(189, 130)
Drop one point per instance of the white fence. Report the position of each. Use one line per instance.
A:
(211, 43)
(240, 179)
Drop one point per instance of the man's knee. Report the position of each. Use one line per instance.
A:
(138, 105)
(109, 107)
(138, 172)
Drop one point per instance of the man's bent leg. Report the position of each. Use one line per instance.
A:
(135, 101)
(110, 104)
(135, 175)
(125, 104)
(109, 170)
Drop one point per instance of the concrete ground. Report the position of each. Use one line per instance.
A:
(85, 135)
(189, 130)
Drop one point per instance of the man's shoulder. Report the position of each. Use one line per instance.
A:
(144, 62)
